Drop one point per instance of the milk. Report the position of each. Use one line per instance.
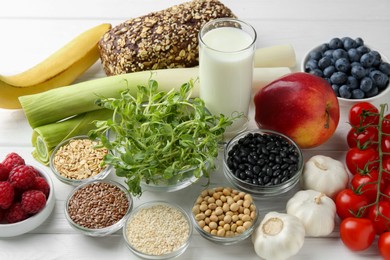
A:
(225, 72)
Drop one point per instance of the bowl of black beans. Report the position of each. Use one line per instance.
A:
(356, 71)
(262, 162)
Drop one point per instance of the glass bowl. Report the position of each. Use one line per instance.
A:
(31, 223)
(288, 175)
(166, 226)
(224, 215)
(380, 98)
(93, 198)
(85, 160)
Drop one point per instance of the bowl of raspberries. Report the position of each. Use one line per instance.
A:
(357, 72)
(26, 196)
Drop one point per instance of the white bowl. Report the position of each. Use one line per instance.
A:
(382, 97)
(29, 224)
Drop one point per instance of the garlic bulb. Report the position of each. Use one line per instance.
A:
(316, 211)
(279, 236)
(324, 174)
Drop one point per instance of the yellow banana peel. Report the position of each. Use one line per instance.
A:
(59, 69)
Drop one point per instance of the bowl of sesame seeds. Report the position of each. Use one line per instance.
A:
(158, 230)
(98, 208)
(78, 160)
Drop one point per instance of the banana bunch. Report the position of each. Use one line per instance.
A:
(59, 69)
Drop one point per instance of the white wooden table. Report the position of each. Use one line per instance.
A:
(32, 29)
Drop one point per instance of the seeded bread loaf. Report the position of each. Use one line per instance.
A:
(159, 40)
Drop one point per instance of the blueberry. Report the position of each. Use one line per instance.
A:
(356, 63)
(311, 65)
(384, 67)
(328, 53)
(352, 82)
(335, 43)
(358, 71)
(379, 78)
(342, 65)
(348, 43)
(357, 94)
(367, 59)
(366, 84)
(359, 42)
(324, 47)
(345, 92)
(315, 55)
(363, 49)
(328, 71)
(317, 72)
(353, 55)
(336, 88)
(373, 92)
(377, 58)
(338, 78)
(324, 62)
(340, 53)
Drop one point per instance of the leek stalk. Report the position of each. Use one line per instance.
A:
(45, 138)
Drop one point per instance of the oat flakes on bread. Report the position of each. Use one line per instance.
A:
(159, 40)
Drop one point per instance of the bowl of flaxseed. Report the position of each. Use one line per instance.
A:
(78, 160)
(158, 230)
(98, 208)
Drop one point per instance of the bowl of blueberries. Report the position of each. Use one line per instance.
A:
(356, 71)
(263, 163)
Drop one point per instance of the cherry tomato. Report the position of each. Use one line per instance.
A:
(384, 245)
(357, 234)
(386, 192)
(386, 124)
(367, 184)
(385, 144)
(357, 159)
(386, 168)
(362, 137)
(348, 203)
(379, 214)
(363, 113)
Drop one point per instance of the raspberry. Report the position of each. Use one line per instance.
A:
(15, 213)
(37, 173)
(12, 160)
(22, 177)
(2, 215)
(42, 185)
(6, 195)
(33, 201)
(4, 172)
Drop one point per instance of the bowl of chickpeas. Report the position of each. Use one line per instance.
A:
(224, 215)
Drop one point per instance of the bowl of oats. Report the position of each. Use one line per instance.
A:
(78, 160)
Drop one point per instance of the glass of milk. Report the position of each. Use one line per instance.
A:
(226, 58)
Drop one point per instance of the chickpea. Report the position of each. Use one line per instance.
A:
(238, 222)
(199, 200)
(216, 195)
(201, 223)
(247, 224)
(248, 197)
(212, 206)
(229, 233)
(204, 193)
(246, 218)
(223, 198)
(230, 200)
(200, 216)
(226, 192)
(221, 223)
(227, 219)
(219, 189)
(210, 192)
(207, 229)
(241, 194)
(234, 207)
(240, 229)
(213, 225)
(196, 209)
(218, 211)
(219, 203)
(214, 232)
(247, 203)
(233, 227)
(207, 220)
(226, 227)
(225, 207)
(221, 232)
(214, 218)
(247, 211)
(240, 202)
(203, 207)
(210, 200)
(236, 198)
(208, 212)
(235, 218)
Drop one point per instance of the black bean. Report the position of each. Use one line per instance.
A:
(256, 169)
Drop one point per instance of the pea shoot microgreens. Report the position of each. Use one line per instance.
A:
(156, 136)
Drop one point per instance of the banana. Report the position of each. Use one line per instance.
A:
(59, 69)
